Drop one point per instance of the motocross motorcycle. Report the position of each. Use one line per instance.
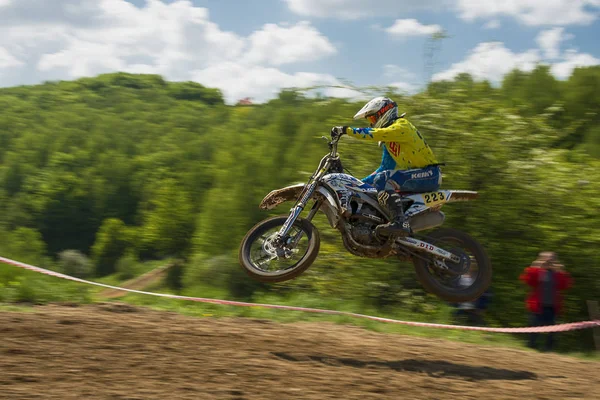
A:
(447, 262)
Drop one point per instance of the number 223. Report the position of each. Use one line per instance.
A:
(432, 197)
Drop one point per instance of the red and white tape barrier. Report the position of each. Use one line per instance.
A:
(552, 328)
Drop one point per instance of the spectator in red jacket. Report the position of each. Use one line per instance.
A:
(547, 278)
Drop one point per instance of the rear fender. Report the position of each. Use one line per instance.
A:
(330, 205)
(435, 200)
(461, 195)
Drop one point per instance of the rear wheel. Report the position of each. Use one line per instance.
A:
(267, 258)
(455, 282)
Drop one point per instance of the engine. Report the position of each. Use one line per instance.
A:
(363, 225)
(363, 233)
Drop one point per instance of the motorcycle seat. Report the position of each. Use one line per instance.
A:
(401, 193)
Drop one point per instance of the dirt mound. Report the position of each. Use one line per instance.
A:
(122, 352)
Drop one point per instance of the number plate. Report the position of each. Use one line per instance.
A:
(434, 198)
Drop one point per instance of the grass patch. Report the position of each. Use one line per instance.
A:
(21, 308)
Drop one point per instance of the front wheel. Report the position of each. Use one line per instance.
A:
(455, 282)
(268, 258)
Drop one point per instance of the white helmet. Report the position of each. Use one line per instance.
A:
(380, 112)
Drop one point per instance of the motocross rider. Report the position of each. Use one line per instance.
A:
(408, 164)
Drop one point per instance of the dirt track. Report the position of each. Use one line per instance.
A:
(115, 351)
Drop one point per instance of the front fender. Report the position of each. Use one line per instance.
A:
(278, 196)
(330, 207)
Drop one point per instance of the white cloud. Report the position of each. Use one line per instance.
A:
(491, 61)
(549, 41)
(347, 93)
(83, 59)
(396, 71)
(238, 80)
(411, 27)
(74, 38)
(356, 9)
(493, 24)
(169, 37)
(402, 79)
(405, 87)
(571, 59)
(278, 45)
(532, 12)
(8, 60)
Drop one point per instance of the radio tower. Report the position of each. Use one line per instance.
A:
(432, 47)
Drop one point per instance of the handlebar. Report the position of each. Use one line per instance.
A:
(328, 158)
(332, 144)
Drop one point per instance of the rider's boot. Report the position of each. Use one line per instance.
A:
(399, 225)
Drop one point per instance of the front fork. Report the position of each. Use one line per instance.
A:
(283, 245)
(297, 209)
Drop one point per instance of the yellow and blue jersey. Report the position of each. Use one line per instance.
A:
(403, 146)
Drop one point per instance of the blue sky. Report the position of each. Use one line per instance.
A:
(253, 48)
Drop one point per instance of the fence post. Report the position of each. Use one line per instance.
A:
(594, 315)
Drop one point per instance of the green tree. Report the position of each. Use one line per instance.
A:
(168, 223)
(111, 243)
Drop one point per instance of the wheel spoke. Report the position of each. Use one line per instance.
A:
(266, 259)
(263, 258)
